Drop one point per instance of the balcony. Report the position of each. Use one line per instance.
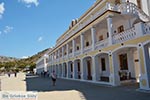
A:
(87, 49)
(139, 29)
(78, 52)
(70, 55)
(147, 28)
(124, 36)
(81, 24)
(101, 44)
(131, 8)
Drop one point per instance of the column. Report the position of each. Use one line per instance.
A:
(110, 28)
(67, 70)
(59, 55)
(93, 37)
(73, 47)
(62, 52)
(73, 72)
(67, 49)
(93, 69)
(114, 68)
(82, 69)
(144, 62)
(45, 64)
(82, 42)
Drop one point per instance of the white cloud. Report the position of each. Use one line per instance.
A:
(8, 29)
(2, 9)
(40, 39)
(30, 2)
(24, 57)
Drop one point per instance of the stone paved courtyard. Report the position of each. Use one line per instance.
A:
(71, 90)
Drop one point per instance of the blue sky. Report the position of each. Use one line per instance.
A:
(30, 26)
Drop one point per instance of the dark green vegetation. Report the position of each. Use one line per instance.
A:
(12, 64)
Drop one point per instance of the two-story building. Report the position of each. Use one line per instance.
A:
(109, 44)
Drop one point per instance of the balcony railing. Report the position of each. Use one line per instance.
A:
(147, 28)
(128, 7)
(78, 52)
(101, 44)
(70, 55)
(87, 49)
(124, 36)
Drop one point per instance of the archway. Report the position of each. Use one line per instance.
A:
(70, 69)
(126, 62)
(77, 69)
(102, 67)
(64, 70)
(87, 68)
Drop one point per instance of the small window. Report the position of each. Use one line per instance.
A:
(87, 44)
(100, 37)
(77, 47)
(107, 34)
(103, 64)
(139, 3)
(120, 29)
(65, 53)
(70, 50)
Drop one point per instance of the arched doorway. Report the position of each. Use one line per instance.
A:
(70, 69)
(77, 71)
(126, 62)
(87, 68)
(60, 70)
(102, 67)
(64, 70)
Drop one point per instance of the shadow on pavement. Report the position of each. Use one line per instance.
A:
(89, 91)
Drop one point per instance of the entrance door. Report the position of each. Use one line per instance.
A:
(89, 77)
(71, 70)
(65, 70)
(123, 66)
(79, 72)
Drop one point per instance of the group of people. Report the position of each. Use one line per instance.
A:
(9, 74)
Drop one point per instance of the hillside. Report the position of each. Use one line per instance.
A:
(11, 64)
(33, 58)
(7, 59)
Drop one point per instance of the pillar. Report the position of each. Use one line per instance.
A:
(67, 49)
(110, 29)
(62, 51)
(73, 47)
(93, 69)
(114, 68)
(82, 42)
(93, 37)
(144, 61)
(82, 69)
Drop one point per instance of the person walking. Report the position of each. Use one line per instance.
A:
(53, 77)
(15, 73)
(8, 74)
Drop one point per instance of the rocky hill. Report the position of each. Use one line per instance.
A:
(7, 59)
(33, 58)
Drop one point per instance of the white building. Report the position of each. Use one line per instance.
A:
(109, 44)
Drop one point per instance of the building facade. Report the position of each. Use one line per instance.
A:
(109, 44)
